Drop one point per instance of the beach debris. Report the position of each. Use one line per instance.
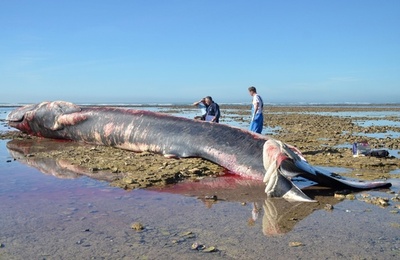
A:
(328, 207)
(361, 148)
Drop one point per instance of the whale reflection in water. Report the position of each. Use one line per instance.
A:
(22, 150)
(279, 216)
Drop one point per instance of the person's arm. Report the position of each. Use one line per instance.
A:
(198, 102)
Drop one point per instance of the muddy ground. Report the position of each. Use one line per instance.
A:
(323, 140)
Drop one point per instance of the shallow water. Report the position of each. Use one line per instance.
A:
(358, 114)
(47, 217)
(4, 111)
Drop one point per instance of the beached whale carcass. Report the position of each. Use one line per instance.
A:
(240, 151)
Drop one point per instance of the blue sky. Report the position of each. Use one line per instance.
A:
(178, 51)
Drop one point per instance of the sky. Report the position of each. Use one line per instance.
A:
(173, 51)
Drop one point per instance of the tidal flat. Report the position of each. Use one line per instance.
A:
(63, 200)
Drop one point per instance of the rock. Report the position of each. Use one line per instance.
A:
(383, 202)
(350, 197)
(210, 249)
(137, 226)
(295, 244)
(339, 196)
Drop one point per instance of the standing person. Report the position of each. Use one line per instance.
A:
(213, 112)
(257, 117)
(203, 107)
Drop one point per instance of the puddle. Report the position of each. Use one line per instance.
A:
(367, 123)
(395, 171)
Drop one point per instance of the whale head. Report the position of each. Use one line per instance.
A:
(36, 118)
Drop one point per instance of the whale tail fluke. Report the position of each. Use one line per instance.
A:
(280, 186)
(283, 163)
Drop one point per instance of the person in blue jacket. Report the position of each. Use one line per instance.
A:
(213, 113)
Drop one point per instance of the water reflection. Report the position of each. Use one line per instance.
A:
(278, 216)
(22, 151)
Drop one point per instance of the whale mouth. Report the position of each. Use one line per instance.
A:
(15, 123)
(15, 118)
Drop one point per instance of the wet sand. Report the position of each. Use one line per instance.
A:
(76, 217)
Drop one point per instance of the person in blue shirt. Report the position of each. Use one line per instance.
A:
(257, 117)
(213, 114)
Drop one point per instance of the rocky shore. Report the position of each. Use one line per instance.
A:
(324, 140)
